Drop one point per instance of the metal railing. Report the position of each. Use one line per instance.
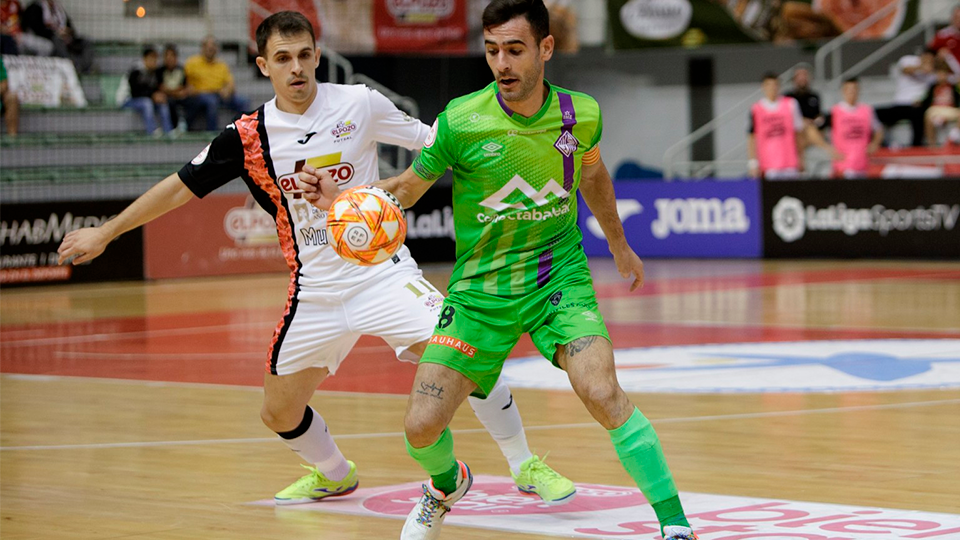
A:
(393, 159)
(835, 46)
(735, 111)
(927, 27)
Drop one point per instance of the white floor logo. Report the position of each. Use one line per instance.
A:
(791, 219)
(814, 366)
(601, 512)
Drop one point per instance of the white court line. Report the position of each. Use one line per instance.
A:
(170, 332)
(178, 384)
(257, 355)
(81, 338)
(84, 338)
(788, 326)
(677, 420)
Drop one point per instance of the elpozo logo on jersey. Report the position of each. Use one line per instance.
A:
(792, 219)
(341, 171)
(814, 366)
(343, 130)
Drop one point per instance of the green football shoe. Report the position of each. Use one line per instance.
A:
(315, 486)
(538, 478)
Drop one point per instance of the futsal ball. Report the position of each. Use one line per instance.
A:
(366, 226)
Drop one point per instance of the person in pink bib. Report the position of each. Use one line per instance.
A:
(857, 132)
(774, 147)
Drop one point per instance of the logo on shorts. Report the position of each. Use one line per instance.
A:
(201, 157)
(590, 316)
(556, 297)
(454, 343)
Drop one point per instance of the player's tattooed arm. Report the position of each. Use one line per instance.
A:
(431, 389)
(579, 345)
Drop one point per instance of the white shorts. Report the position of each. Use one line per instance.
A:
(319, 327)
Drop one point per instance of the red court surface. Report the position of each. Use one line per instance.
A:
(228, 346)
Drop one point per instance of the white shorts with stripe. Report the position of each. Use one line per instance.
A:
(321, 327)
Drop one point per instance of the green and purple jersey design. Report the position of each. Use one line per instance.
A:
(514, 186)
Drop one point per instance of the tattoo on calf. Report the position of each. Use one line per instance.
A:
(579, 345)
(431, 390)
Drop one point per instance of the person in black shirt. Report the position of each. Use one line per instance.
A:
(809, 102)
(146, 96)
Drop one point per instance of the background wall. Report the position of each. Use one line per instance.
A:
(104, 20)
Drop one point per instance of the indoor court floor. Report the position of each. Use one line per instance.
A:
(814, 400)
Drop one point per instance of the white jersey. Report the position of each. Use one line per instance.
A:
(267, 148)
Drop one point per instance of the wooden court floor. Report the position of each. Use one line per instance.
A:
(131, 410)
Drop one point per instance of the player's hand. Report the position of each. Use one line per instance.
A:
(83, 245)
(630, 266)
(318, 187)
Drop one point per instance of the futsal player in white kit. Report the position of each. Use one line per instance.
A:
(331, 303)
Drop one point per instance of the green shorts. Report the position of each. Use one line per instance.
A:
(476, 330)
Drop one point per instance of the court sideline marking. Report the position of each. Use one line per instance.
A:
(80, 338)
(663, 421)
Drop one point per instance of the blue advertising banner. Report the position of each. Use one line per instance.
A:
(691, 220)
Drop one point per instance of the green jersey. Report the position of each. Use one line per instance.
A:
(514, 186)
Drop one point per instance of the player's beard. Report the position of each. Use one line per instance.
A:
(529, 81)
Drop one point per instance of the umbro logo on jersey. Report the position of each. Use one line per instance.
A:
(307, 137)
(491, 149)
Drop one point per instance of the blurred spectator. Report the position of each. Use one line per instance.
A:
(949, 37)
(809, 101)
(146, 97)
(211, 85)
(173, 83)
(856, 132)
(941, 106)
(9, 26)
(773, 146)
(563, 26)
(914, 75)
(47, 20)
(12, 39)
(9, 103)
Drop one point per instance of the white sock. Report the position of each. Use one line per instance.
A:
(312, 441)
(498, 413)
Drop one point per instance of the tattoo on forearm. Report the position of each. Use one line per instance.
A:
(431, 390)
(579, 345)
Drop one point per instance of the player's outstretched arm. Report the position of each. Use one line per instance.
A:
(84, 245)
(407, 187)
(320, 189)
(597, 189)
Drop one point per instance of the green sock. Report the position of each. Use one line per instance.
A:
(639, 450)
(438, 460)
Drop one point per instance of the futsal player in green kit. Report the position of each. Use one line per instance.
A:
(519, 149)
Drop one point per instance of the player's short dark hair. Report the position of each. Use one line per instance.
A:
(851, 80)
(499, 12)
(170, 47)
(148, 50)
(770, 75)
(286, 23)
